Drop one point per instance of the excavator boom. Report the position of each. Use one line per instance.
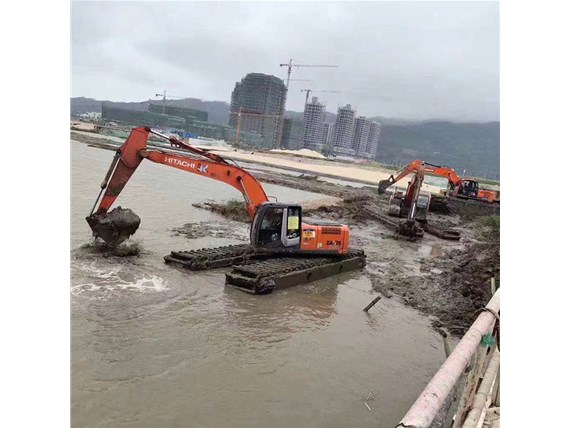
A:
(414, 166)
(460, 187)
(120, 224)
(134, 150)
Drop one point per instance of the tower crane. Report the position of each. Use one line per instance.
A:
(290, 66)
(308, 91)
(163, 95)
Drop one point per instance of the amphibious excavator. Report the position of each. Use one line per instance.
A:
(283, 251)
(461, 188)
(412, 204)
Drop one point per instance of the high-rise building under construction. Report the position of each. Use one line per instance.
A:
(259, 97)
(313, 124)
(343, 130)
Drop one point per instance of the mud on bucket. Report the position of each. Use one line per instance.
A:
(114, 226)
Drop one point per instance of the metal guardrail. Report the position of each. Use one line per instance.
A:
(477, 394)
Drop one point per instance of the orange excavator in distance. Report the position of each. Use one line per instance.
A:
(289, 250)
(461, 188)
(413, 205)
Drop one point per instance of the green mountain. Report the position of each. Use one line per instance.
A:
(473, 147)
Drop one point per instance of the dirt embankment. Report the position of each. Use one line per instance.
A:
(454, 286)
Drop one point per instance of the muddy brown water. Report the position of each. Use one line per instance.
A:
(152, 345)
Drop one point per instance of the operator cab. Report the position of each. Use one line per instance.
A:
(469, 188)
(422, 207)
(277, 225)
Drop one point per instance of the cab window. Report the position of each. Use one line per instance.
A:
(271, 226)
(293, 222)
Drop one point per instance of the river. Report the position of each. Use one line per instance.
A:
(156, 346)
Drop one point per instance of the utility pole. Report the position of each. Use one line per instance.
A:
(282, 106)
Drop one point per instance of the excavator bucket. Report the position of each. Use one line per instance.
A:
(410, 229)
(384, 184)
(114, 226)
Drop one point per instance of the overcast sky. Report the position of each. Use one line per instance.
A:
(415, 60)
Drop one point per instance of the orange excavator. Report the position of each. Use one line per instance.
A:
(413, 205)
(277, 229)
(461, 188)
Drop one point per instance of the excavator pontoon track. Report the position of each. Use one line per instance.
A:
(258, 271)
(388, 221)
(212, 258)
(263, 277)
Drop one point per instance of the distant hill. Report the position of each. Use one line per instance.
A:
(393, 121)
(473, 147)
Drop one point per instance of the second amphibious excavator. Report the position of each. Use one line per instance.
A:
(283, 251)
(413, 205)
(460, 188)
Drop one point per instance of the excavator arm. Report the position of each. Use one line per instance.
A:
(134, 150)
(410, 168)
(415, 166)
(116, 226)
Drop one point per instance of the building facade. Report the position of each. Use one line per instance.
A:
(262, 95)
(328, 128)
(187, 113)
(373, 140)
(361, 135)
(344, 130)
(313, 124)
(140, 118)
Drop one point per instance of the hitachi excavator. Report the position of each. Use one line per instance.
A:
(461, 188)
(283, 250)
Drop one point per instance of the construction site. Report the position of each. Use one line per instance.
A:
(402, 242)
